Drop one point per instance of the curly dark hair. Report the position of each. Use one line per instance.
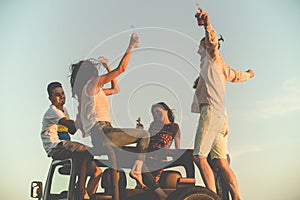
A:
(81, 72)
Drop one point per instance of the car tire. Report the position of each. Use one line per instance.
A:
(193, 193)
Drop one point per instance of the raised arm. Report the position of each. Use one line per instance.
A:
(114, 84)
(237, 75)
(122, 65)
(211, 39)
(95, 84)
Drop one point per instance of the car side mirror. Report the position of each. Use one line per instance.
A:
(36, 189)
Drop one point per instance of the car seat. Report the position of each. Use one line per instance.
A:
(168, 179)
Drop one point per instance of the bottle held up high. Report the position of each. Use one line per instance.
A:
(139, 124)
(200, 19)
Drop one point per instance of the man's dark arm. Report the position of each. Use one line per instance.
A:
(70, 124)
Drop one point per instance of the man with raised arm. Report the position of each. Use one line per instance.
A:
(211, 135)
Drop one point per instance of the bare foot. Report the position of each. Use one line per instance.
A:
(138, 177)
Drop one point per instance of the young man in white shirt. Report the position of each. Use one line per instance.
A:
(55, 128)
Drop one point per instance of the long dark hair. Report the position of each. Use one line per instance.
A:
(164, 106)
(81, 72)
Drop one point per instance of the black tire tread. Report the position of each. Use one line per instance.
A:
(193, 193)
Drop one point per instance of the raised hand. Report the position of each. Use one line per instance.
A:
(103, 60)
(251, 72)
(202, 17)
(134, 40)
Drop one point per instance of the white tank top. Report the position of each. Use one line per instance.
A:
(93, 109)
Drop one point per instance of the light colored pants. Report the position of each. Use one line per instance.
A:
(210, 138)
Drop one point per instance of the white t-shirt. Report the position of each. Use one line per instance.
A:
(213, 76)
(93, 109)
(49, 133)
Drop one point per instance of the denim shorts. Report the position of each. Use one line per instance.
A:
(67, 149)
(210, 136)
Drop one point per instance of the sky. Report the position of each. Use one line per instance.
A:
(40, 39)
